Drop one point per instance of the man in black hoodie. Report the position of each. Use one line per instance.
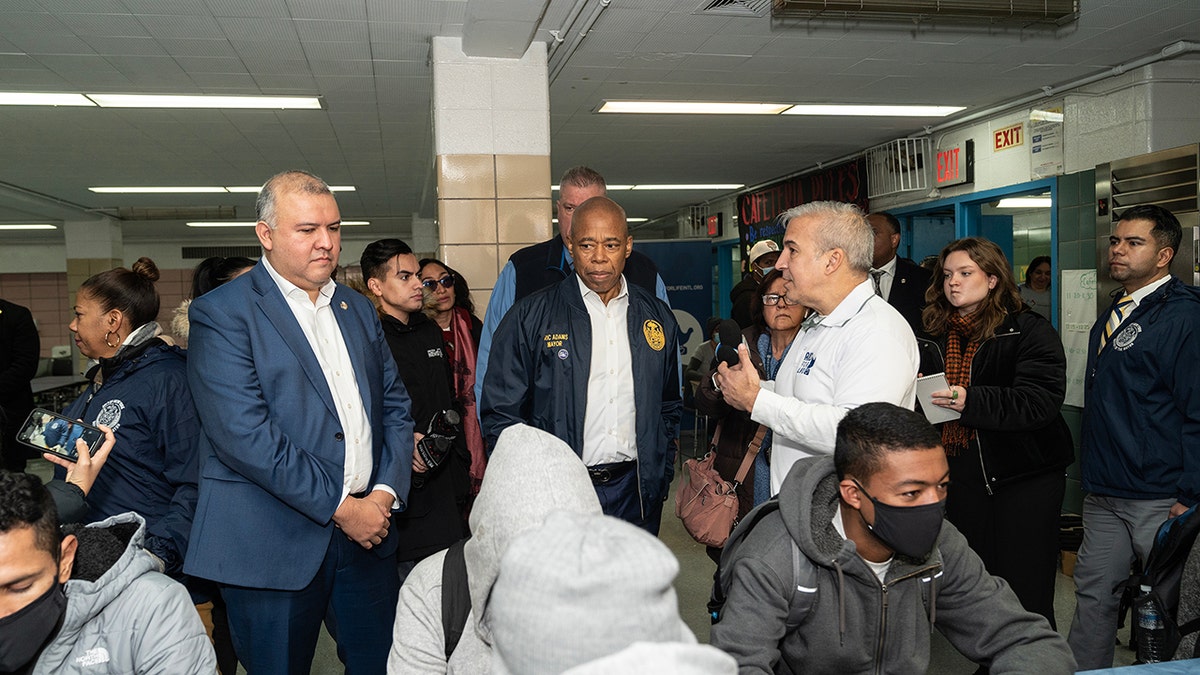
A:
(432, 520)
(888, 568)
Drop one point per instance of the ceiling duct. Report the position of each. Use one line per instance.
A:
(204, 252)
(973, 11)
(176, 212)
(755, 8)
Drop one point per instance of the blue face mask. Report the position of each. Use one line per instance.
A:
(764, 271)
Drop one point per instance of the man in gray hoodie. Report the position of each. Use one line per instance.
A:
(531, 473)
(91, 601)
(888, 568)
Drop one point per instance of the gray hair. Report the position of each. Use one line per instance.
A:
(582, 177)
(843, 226)
(286, 182)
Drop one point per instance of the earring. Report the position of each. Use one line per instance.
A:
(109, 343)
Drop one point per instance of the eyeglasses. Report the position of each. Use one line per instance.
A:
(773, 299)
(446, 282)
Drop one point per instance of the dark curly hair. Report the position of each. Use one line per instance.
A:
(872, 429)
(25, 502)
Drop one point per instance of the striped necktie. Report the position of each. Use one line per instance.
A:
(1115, 317)
(875, 276)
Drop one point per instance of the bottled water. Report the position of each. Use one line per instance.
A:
(1152, 631)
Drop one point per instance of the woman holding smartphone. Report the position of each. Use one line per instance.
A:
(1007, 378)
(138, 388)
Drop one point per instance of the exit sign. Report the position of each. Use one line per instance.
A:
(956, 164)
(1008, 137)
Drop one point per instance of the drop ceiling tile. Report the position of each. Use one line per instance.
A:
(212, 48)
(45, 43)
(323, 9)
(278, 83)
(270, 30)
(225, 83)
(104, 25)
(169, 26)
(276, 66)
(671, 43)
(733, 45)
(20, 61)
(162, 7)
(337, 51)
(401, 51)
(332, 31)
(196, 64)
(402, 69)
(274, 50)
(126, 45)
(258, 9)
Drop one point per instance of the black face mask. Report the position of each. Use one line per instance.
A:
(23, 634)
(910, 531)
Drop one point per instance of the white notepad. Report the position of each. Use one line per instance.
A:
(925, 388)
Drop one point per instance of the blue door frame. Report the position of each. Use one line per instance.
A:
(968, 218)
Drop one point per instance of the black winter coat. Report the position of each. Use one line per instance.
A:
(1014, 398)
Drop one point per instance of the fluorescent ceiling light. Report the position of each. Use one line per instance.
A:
(1025, 203)
(197, 189)
(155, 190)
(691, 186)
(554, 188)
(731, 108)
(27, 98)
(628, 220)
(28, 226)
(692, 108)
(244, 223)
(180, 101)
(1045, 116)
(873, 110)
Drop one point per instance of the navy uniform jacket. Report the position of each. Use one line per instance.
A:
(272, 447)
(541, 357)
(1141, 415)
(908, 291)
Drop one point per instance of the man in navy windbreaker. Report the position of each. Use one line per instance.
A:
(594, 360)
(1140, 447)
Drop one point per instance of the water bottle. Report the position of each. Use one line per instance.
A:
(1152, 631)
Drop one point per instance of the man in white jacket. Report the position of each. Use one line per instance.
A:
(530, 474)
(90, 602)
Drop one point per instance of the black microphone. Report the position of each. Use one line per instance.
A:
(729, 336)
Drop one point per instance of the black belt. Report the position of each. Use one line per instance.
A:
(606, 473)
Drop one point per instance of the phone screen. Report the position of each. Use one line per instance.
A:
(51, 432)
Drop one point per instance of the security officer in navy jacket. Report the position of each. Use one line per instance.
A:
(594, 360)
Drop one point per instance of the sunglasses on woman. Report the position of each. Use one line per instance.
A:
(432, 284)
(773, 299)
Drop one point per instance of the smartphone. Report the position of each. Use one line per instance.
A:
(50, 432)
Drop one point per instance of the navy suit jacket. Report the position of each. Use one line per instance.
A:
(272, 447)
(908, 291)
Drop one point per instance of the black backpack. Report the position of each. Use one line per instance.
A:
(1154, 593)
(804, 571)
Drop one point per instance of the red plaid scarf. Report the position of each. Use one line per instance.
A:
(960, 349)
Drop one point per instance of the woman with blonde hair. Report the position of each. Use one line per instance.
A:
(1006, 372)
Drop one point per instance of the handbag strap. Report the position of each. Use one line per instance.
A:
(751, 453)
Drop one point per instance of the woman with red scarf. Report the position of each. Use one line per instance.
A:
(448, 302)
(1007, 374)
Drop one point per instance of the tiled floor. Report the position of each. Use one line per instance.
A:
(695, 581)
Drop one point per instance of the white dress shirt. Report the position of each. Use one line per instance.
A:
(609, 419)
(863, 351)
(887, 278)
(1140, 294)
(321, 329)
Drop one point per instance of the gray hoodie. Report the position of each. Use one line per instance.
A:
(857, 624)
(131, 619)
(530, 474)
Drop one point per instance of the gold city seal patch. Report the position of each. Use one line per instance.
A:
(654, 335)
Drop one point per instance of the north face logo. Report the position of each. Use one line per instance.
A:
(93, 657)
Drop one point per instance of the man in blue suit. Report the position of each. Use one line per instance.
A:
(307, 445)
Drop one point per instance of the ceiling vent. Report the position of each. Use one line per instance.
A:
(176, 212)
(203, 252)
(897, 166)
(973, 11)
(743, 8)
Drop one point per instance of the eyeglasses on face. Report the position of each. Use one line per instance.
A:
(446, 282)
(773, 299)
